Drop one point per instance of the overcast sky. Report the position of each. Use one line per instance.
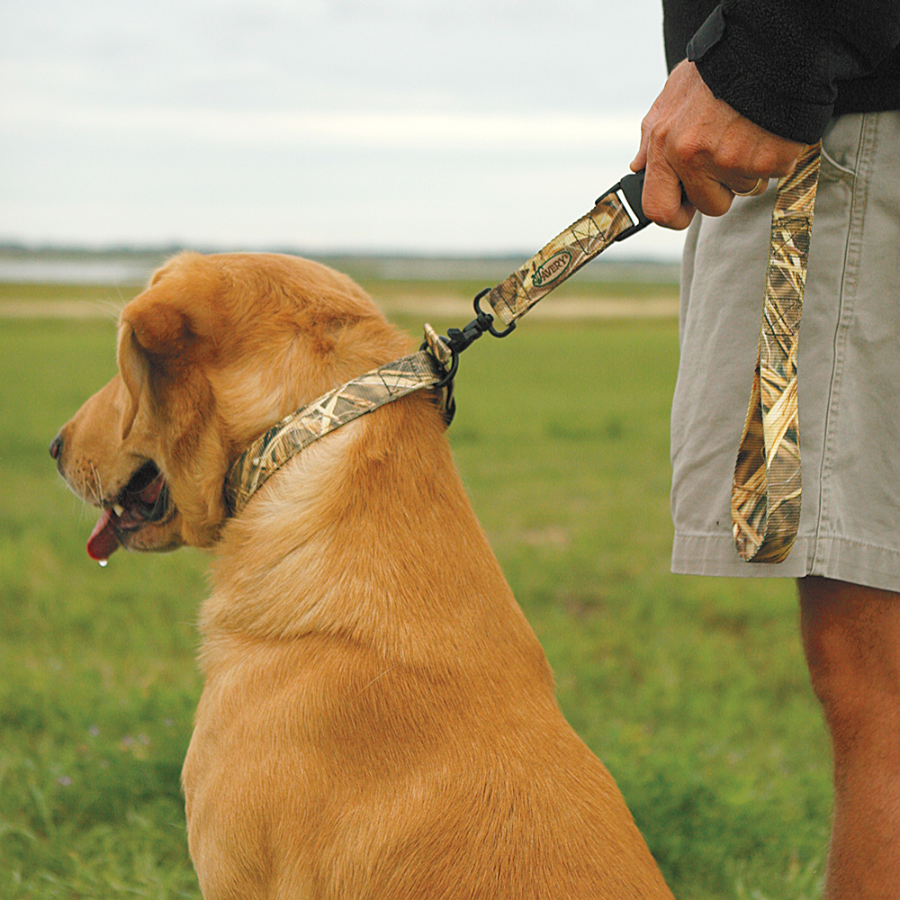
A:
(471, 126)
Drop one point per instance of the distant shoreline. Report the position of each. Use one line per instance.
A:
(125, 266)
(569, 310)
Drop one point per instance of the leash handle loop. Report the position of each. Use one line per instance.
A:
(766, 489)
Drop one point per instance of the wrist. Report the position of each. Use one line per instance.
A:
(743, 62)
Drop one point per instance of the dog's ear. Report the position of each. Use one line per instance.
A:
(152, 335)
(178, 306)
(164, 324)
(134, 369)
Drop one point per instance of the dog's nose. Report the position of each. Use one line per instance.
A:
(56, 447)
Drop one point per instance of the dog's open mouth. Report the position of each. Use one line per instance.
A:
(144, 501)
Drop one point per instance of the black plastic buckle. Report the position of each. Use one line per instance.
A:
(630, 189)
(459, 339)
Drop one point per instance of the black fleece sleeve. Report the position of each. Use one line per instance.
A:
(778, 62)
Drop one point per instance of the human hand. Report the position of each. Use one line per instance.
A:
(699, 152)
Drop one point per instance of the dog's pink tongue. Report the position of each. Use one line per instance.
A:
(103, 541)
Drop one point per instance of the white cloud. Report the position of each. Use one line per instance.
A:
(409, 130)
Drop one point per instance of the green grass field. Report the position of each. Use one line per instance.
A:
(692, 691)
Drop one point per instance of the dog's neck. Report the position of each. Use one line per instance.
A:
(295, 432)
(331, 546)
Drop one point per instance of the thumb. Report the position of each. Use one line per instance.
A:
(640, 160)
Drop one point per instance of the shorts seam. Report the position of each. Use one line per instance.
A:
(714, 535)
(846, 304)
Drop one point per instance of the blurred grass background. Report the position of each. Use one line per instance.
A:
(693, 691)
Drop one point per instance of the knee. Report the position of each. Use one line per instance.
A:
(851, 637)
(837, 673)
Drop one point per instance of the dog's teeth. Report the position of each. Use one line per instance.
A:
(118, 509)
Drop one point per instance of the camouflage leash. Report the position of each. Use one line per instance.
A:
(766, 492)
(616, 215)
(765, 495)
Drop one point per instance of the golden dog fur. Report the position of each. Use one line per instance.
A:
(378, 719)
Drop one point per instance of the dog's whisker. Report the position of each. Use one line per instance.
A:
(377, 678)
(109, 308)
(96, 488)
(160, 503)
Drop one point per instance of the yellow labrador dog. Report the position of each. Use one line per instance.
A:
(378, 719)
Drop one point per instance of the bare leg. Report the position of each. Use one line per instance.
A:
(851, 636)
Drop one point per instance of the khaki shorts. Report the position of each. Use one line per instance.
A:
(848, 369)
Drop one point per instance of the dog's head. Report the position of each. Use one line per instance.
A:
(215, 351)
